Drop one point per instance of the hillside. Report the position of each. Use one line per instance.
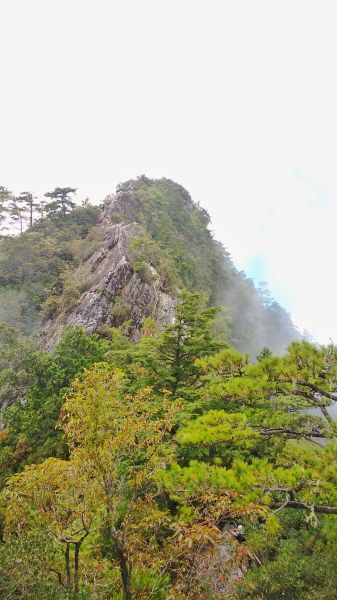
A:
(141, 454)
(129, 262)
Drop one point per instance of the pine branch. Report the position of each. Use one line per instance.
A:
(318, 508)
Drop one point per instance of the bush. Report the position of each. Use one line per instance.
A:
(142, 269)
(50, 306)
(144, 253)
(74, 283)
(120, 311)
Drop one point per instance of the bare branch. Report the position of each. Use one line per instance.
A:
(318, 390)
(314, 388)
(291, 432)
(318, 508)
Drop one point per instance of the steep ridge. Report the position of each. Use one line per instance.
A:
(114, 278)
(156, 242)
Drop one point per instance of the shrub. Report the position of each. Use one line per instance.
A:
(120, 311)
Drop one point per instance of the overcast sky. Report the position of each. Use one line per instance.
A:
(234, 99)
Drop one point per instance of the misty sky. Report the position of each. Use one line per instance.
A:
(234, 99)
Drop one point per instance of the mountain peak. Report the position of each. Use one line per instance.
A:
(155, 242)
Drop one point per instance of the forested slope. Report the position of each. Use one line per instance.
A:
(51, 271)
(127, 467)
(142, 454)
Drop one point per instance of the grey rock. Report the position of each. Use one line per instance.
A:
(113, 277)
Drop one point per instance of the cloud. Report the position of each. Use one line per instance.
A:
(235, 100)
(299, 249)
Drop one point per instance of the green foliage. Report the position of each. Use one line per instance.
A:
(176, 231)
(144, 271)
(145, 251)
(61, 201)
(36, 267)
(5, 198)
(175, 246)
(298, 567)
(179, 245)
(33, 384)
(123, 465)
(74, 282)
(168, 360)
(120, 311)
(24, 570)
(190, 337)
(155, 482)
(218, 437)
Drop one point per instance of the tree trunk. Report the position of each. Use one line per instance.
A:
(124, 566)
(326, 415)
(126, 576)
(76, 566)
(67, 559)
(177, 362)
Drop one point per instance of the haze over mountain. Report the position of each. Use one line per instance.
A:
(133, 258)
(143, 452)
(235, 100)
(166, 432)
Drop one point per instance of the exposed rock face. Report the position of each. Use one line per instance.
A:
(113, 277)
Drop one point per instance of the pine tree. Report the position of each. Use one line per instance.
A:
(27, 198)
(5, 197)
(190, 337)
(41, 209)
(61, 200)
(17, 212)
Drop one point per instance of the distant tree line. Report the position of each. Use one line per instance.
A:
(21, 211)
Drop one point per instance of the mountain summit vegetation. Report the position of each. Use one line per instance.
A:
(167, 465)
(45, 269)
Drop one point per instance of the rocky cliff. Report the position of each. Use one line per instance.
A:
(155, 241)
(113, 278)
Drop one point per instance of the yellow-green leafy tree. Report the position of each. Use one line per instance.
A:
(122, 441)
(57, 499)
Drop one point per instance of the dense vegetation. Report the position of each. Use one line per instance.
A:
(127, 462)
(36, 266)
(193, 259)
(126, 468)
(43, 270)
